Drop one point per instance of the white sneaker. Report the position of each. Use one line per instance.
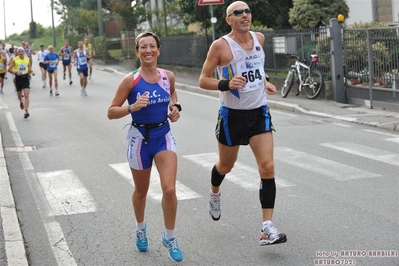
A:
(84, 92)
(214, 207)
(91, 80)
(270, 235)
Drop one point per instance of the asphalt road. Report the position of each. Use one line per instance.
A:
(337, 186)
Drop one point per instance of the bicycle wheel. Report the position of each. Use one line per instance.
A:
(313, 84)
(288, 84)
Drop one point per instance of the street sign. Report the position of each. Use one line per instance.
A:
(210, 2)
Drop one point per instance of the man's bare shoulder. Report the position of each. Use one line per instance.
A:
(261, 37)
(220, 43)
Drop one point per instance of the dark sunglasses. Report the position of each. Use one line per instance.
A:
(239, 12)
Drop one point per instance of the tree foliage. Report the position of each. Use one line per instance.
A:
(130, 16)
(259, 9)
(316, 13)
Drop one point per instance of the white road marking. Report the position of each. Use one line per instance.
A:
(65, 193)
(382, 133)
(319, 165)
(283, 113)
(395, 137)
(14, 130)
(242, 175)
(53, 229)
(155, 190)
(366, 152)
(342, 125)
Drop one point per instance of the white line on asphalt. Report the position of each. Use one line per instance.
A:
(242, 175)
(366, 152)
(14, 130)
(382, 133)
(53, 229)
(341, 125)
(65, 193)
(155, 190)
(319, 165)
(283, 113)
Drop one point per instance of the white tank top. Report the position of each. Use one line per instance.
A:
(249, 64)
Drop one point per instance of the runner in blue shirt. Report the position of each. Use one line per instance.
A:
(81, 56)
(66, 53)
(51, 59)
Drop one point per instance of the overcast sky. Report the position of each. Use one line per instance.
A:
(18, 12)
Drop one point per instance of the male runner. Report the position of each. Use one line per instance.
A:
(244, 116)
(20, 67)
(51, 59)
(81, 56)
(43, 67)
(66, 53)
(88, 46)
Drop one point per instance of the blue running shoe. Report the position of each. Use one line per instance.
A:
(141, 239)
(175, 253)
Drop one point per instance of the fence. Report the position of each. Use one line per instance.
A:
(371, 64)
(371, 56)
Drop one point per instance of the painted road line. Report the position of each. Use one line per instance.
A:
(155, 191)
(366, 152)
(242, 175)
(342, 125)
(65, 193)
(319, 165)
(53, 229)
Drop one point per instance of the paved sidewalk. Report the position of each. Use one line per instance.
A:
(319, 107)
(11, 242)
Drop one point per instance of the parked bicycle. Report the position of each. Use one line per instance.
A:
(311, 81)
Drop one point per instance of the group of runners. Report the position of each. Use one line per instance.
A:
(18, 62)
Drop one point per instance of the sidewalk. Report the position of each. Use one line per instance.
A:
(376, 117)
(11, 241)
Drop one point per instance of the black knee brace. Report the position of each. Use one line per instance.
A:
(216, 178)
(267, 193)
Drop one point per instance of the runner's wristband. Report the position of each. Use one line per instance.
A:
(223, 85)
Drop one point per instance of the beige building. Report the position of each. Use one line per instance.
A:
(386, 11)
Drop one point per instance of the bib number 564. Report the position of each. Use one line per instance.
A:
(251, 75)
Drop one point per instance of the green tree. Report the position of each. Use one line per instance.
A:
(130, 16)
(316, 13)
(259, 9)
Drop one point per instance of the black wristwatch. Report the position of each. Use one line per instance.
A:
(177, 105)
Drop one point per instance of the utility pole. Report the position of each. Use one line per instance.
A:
(4, 9)
(52, 21)
(31, 11)
(100, 18)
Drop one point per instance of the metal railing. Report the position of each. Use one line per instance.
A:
(371, 58)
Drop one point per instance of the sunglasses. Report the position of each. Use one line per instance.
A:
(239, 12)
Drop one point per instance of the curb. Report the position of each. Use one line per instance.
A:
(14, 242)
(280, 105)
(297, 109)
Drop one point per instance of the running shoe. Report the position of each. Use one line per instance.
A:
(214, 207)
(64, 76)
(91, 80)
(70, 83)
(51, 92)
(56, 93)
(21, 105)
(141, 239)
(26, 115)
(175, 253)
(270, 235)
(84, 92)
(1, 91)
